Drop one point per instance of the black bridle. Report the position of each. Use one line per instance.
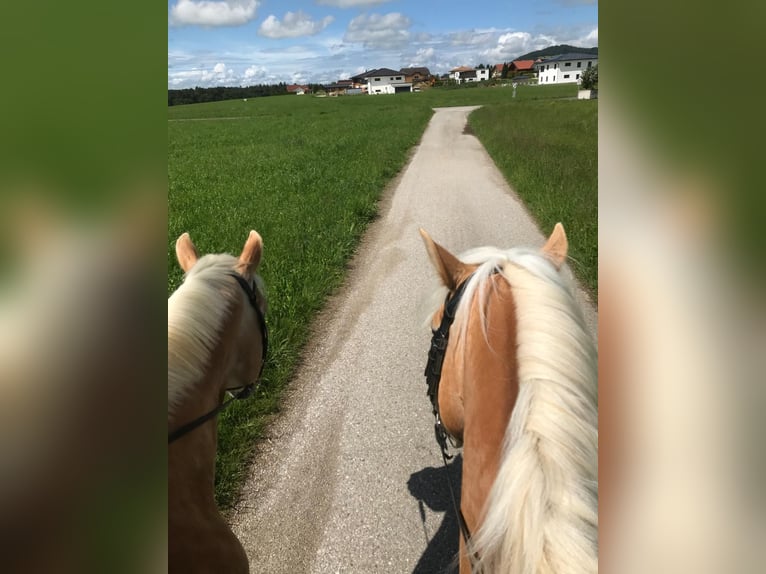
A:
(245, 391)
(433, 376)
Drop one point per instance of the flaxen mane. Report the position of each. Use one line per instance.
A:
(196, 313)
(542, 512)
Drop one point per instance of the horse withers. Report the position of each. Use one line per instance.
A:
(518, 387)
(216, 342)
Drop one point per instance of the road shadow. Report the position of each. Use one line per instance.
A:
(429, 487)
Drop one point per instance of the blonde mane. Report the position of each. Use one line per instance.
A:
(542, 512)
(197, 311)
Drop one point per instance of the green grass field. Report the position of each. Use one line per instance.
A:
(306, 174)
(548, 151)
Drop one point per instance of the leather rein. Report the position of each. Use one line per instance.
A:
(245, 391)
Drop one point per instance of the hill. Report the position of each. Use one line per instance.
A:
(556, 50)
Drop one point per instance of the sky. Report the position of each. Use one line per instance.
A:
(246, 42)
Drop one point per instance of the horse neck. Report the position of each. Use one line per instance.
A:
(490, 389)
(543, 513)
(192, 457)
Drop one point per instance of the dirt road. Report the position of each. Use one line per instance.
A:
(350, 479)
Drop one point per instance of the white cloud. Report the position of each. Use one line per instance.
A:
(254, 73)
(351, 3)
(213, 12)
(514, 44)
(423, 55)
(591, 39)
(473, 38)
(219, 75)
(293, 25)
(379, 30)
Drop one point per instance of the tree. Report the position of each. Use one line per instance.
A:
(589, 78)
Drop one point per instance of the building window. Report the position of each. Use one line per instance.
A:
(398, 77)
(577, 77)
(390, 78)
(377, 79)
(555, 66)
(566, 76)
(589, 63)
(579, 64)
(567, 64)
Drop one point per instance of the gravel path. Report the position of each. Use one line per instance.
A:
(349, 478)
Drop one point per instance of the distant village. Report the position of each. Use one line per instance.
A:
(560, 69)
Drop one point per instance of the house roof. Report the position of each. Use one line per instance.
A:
(411, 71)
(296, 87)
(571, 56)
(499, 67)
(462, 69)
(523, 64)
(379, 72)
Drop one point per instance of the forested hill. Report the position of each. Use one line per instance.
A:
(556, 50)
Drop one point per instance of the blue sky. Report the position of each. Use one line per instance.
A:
(244, 42)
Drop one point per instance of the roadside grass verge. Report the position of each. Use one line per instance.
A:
(307, 176)
(548, 151)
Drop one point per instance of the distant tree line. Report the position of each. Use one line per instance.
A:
(198, 95)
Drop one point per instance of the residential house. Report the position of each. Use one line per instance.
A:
(522, 66)
(384, 81)
(417, 76)
(297, 89)
(342, 87)
(565, 68)
(497, 70)
(466, 74)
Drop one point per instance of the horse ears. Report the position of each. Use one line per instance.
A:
(557, 246)
(251, 254)
(186, 252)
(451, 270)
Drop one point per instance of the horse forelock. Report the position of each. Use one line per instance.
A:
(197, 311)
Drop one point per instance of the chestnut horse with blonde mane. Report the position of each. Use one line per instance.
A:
(216, 342)
(518, 389)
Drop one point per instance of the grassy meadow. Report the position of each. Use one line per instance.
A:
(548, 150)
(307, 175)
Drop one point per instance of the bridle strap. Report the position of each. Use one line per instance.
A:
(252, 296)
(199, 421)
(245, 391)
(464, 530)
(439, 340)
(433, 374)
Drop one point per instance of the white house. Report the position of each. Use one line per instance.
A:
(385, 81)
(564, 69)
(466, 74)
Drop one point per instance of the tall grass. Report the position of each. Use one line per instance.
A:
(548, 151)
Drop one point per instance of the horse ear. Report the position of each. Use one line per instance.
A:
(251, 254)
(557, 246)
(186, 252)
(450, 268)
